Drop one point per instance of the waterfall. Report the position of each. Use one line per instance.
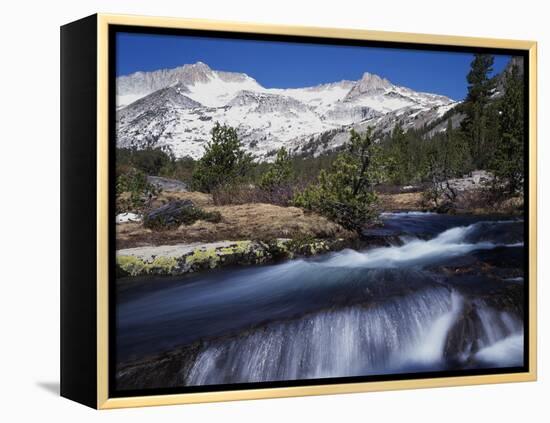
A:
(506, 352)
(401, 334)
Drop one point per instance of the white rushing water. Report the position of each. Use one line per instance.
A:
(506, 352)
(381, 311)
(430, 349)
(403, 334)
(450, 243)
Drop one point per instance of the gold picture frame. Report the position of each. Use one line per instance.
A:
(103, 22)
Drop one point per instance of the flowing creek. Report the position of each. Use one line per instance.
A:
(448, 295)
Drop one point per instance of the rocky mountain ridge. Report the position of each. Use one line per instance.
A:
(175, 109)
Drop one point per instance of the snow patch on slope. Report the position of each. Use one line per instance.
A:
(266, 118)
(218, 92)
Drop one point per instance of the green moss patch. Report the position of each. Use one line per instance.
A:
(203, 258)
(228, 253)
(134, 266)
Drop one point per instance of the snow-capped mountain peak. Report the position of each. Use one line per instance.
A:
(194, 73)
(176, 109)
(220, 88)
(369, 84)
(201, 81)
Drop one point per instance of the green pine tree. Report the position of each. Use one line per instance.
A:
(401, 145)
(507, 164)
(475, 124)
(456, 155)
(279, 173)
(345, 193)
(224, 161)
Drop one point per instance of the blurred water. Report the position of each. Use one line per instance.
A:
(342, 314)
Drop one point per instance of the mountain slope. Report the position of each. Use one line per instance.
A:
(176, 109)
(207, 85)
(148, 121)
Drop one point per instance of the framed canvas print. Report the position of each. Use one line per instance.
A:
(253, 211)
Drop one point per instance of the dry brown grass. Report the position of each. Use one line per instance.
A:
(470, 202)
(242, 194)
(199, 198)
(404, 201)
(484, 202)
(239, 222)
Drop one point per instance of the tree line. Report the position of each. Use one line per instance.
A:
(490, 136)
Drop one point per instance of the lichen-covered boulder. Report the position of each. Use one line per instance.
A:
(186, 258)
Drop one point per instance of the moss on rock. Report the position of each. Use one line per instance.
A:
(134, 266)
(238, 247)
(203, 258)
(162, 265)
(130, 265)
(210, 256)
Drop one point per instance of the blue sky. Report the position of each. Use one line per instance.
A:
(291, 65)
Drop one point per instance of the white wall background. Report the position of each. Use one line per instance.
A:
(29, 300)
